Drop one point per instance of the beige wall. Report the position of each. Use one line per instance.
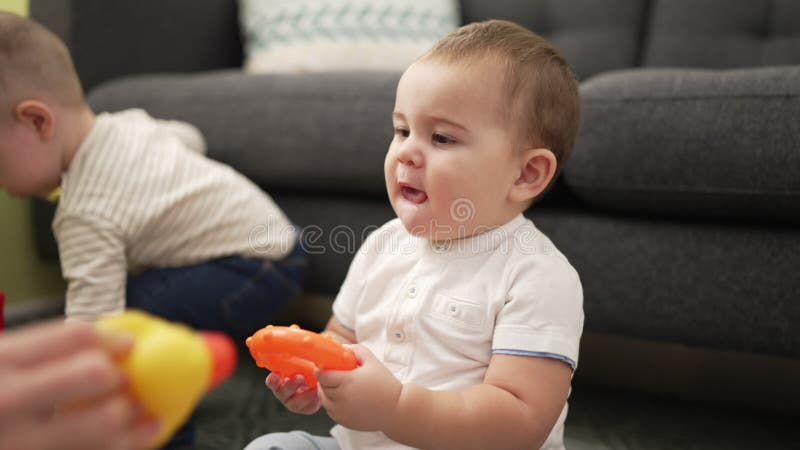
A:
(23, 275)
(17, 6)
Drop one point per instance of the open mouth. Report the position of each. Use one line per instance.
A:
(413, 195)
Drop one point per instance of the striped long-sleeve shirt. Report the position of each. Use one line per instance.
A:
(137, 196)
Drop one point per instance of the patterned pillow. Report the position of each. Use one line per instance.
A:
(334, 35)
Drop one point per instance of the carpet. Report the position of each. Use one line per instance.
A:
(599, 418)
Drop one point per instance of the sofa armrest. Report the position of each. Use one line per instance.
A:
(110, 38)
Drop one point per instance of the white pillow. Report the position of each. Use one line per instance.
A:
(293, 36)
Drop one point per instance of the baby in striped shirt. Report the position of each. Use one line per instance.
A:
(144, 220)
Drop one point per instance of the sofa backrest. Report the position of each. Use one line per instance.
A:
(597, 36)
(111, 38)
(723, 34)
(594, 36)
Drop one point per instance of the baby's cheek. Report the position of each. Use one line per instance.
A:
(450, 189)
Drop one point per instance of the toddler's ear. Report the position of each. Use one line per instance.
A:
(37, 116)
(537, 169)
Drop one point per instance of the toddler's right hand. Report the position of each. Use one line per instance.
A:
(294, 393)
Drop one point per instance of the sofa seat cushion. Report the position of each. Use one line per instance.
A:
(709, 283)
(697, 142)
(314, 132)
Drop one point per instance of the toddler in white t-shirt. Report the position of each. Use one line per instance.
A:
(465, 318)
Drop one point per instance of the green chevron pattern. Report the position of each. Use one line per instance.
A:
(285, 22)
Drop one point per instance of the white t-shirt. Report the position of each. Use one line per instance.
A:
(435, 314)
(140, 194)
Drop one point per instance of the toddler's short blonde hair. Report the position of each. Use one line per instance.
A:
(34, 64)
(542, 92)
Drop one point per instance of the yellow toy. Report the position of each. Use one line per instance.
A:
(171, 366)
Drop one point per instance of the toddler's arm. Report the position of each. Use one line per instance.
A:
(338, 332)
(187, 133)
(514, 408)
(94, 265)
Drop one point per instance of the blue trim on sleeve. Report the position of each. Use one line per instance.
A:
(506, 351)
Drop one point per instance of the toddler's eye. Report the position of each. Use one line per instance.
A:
(439, 138)
(399, 131)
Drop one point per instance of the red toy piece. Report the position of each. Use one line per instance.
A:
(290, 351)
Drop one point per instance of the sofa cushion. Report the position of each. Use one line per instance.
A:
(107, 38)
(313, 132)
(710, 283)
(723, 33)
(594, 36)
(723, 143)
(295, 36)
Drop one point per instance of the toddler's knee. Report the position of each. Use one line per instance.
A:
(281, 441)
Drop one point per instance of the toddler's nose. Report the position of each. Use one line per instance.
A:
(410, 154)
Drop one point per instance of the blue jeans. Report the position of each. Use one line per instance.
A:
(235, 295)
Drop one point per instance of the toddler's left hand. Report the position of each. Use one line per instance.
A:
(294, 393)
(362, 399)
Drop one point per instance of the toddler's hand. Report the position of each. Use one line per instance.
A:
(294, 393)
(362, 399)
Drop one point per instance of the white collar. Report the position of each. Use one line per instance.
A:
(482, 242)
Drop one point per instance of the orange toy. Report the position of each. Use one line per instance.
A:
(290, 351)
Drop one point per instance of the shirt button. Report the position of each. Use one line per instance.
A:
(398, 335)
(412, 291)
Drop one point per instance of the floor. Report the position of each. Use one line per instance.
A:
(599, 419)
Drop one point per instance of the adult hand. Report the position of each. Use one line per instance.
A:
(69, 366)
(362, 399)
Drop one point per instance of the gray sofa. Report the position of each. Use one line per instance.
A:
(679, 208)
